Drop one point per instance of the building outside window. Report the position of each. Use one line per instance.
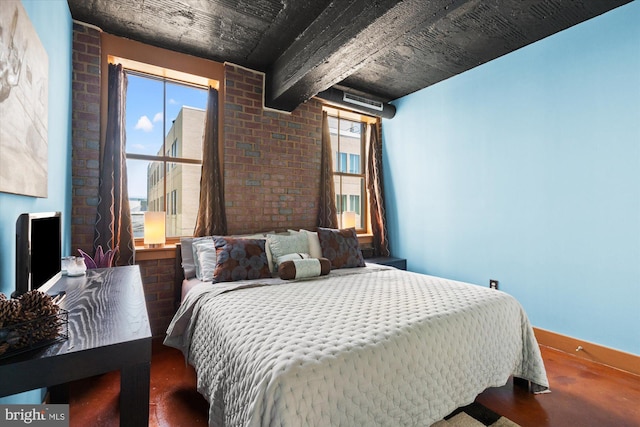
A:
(165, 126)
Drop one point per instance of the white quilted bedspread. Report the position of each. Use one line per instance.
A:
(361, 347)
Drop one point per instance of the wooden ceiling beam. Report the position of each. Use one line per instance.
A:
(344, 38)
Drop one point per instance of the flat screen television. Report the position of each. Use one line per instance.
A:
(38, 251)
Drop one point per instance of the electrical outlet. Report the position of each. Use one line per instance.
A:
(493, 284)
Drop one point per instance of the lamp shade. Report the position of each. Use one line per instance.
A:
(154, 231)
(348, 219)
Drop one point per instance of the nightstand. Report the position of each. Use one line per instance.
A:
(399, 263)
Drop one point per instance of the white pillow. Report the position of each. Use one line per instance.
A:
(280, 245)
(315, 250)
(186, 253)
(204, 257)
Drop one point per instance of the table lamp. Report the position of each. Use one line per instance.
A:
(348, 219)
(154, 229)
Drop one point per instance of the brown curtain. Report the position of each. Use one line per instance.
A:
(212, 219)
(376, 192)
(113, 221)
(327, 212)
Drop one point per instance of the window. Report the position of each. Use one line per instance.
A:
(354, 204)
(174, 202)
(341, 159)
(341, 203)
(174, 152)
(348, 145)
(354, 163)
(165, 125)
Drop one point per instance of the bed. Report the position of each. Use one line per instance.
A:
(368, 345)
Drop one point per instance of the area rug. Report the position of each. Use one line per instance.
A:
(474, 415)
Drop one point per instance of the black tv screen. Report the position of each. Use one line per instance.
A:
(38, 251)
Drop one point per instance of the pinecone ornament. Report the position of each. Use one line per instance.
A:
(9, 311)
(27, 320)
(37, 304)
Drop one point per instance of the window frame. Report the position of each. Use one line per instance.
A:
(167, 161)
(342, 114)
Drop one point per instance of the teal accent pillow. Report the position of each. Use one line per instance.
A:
(281, 245)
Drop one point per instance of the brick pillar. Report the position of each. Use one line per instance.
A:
(158, 282)
(85, 136)
(271, 159)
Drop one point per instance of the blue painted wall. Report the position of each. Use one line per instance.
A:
(527, 170)
(52, 21)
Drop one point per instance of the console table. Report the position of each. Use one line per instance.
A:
(108, 330)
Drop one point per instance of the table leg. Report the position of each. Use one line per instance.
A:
(59, 393)
(134, 394)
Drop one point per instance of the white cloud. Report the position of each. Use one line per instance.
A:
(157, 117)
(145, 124)
(172, 101)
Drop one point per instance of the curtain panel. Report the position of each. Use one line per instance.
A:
(212, 218)
(113, 229)
(327, 212)
(376, 191)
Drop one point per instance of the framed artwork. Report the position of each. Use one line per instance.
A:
(24, 87)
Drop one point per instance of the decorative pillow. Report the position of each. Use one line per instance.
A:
(267, 249)
(341, 247)
(204, 256)
(286, 244)
(261, 235)
(292, 257)
(240, 259)
(301, 268)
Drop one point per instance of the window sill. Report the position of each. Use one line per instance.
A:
(168, 251)
(365, 238)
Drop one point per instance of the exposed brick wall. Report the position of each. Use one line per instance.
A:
(158, 282)
(85, 135)
(271, 165)
(271, 159)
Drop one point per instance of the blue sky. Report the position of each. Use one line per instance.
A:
(145, 126)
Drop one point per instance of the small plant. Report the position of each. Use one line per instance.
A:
(101, 259)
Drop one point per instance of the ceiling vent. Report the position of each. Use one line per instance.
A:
(357, 103)
(362, 101)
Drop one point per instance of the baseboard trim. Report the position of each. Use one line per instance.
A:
(586, 350)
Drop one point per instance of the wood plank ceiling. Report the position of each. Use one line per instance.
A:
(381, 49)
